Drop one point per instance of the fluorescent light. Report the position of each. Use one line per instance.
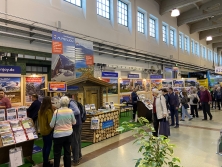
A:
(175, 13)
(209, 38)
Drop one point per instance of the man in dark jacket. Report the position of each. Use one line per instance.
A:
(33, 110)
(205, 99)
(166, 95)
(134, 98)
(174, 105)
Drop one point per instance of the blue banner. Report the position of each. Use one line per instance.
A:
(107, 124)
(10, 70)
(72, 88)
(109, 75)
(156, 76)
(63, 57)
(133, 76)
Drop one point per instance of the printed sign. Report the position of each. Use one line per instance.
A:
(156, 76)
(89, 60)
(218, 69)
(133, 76)
(57, 87)
(107, 124)
(57, 47)
(109, 75)
(10, 70)
(72, 88)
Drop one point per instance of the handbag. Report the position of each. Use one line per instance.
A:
(164, 127)
(54, 125)
(186, 106)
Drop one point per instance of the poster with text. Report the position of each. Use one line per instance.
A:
(114, 88)
(156, 84)
(138, 84)
(126, 85)
(12, 88)
(167, 83)
(178, 83)
(84, 57)
(34, 86)
(63, 57)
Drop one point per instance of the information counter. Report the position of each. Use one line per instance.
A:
(100, 126)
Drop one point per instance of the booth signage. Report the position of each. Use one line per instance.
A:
(72, 88)
(133, 76)
(10, 70)
(57, 87)
(156, 76)
(109, 74)
(107, 124)
(218, 69)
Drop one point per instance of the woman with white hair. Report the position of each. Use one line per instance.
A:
(159, 110)
(62, 122)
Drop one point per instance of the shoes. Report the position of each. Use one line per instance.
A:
(177, 126)
(48, 164)
(172, 125)
(182, 120)
(204, 119)
(76, 163)
(80, 158)
(211, 117)
(190, 119)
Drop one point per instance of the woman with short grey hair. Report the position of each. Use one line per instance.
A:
(194, 100)
(62, 122)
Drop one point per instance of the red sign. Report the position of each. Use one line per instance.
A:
(106, 80)
(57, 47)
(57, 87)
(34, 79)
(89, 60)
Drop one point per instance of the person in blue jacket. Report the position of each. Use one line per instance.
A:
(134, 98)
(33, 110)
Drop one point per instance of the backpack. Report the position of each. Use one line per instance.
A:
(81, 109)
(195, 100)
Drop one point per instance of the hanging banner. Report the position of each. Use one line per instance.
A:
(57, 87)
(133, 76)
(34, 86)
(168, 72)
(63, 57)
(84, 57)
(156, 76)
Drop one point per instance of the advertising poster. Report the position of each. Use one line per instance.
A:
(138, 84)
(34, 86)
(178, 83)
(167, 83)
(12, 88)
(156, 84)
(57, 87)
(126, 85)
(63, 57)
(84, 57)
(114, 88)
(148, 85)
(190, 82)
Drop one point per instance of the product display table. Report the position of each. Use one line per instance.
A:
(108, 122)
(124, 107)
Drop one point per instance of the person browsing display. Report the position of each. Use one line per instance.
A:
(4, 101)
(33, 110)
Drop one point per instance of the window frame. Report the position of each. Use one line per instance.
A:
(155, 27)
(172, 30)
(105, 10)
(192, 46)
(127, 11)
(166, 33)
(186, 44)
(143, 14)
(69, 1)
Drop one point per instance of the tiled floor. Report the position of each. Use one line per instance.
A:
(196, 146)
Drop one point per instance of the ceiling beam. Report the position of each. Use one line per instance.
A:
(168, 5)
(211, 8)
(216, 45)
(215, 40)
(213, 32)
(215, 22)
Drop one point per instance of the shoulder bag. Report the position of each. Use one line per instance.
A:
(54, 125)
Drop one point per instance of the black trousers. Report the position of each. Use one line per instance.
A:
(76, 143)
(213, 104)
(134, 110)
(193, 109)
(206, 110)
(218, 103)
(156, 123)
(59, 143)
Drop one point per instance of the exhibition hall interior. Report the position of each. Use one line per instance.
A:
(110, 83)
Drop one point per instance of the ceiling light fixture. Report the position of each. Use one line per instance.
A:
(209, 38)
(175, 13)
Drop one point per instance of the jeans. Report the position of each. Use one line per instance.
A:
(47, 144)
(184, 112)
(76, 142)
(134, 110)
(174, 113)
(194, 108)
(59, 143)
(206, 109)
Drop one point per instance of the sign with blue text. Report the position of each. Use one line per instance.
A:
(107, 124)
(156, 76)
(10, 70)
(133, 76)
(109, 75)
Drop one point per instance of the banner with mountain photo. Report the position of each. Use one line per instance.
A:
(84, 57)
(63, 57)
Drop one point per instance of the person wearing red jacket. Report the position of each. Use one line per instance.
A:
(205, 99)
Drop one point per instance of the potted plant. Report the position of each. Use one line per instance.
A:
(156, 151)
